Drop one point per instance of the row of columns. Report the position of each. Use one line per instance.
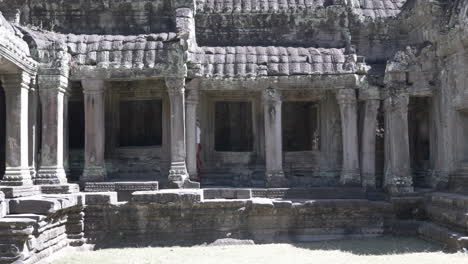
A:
(53, 91)
(358, 163)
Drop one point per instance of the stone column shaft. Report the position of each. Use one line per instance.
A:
(397, 178)
(350, 173)
(17, 170)
(273, 139)
(191, 135)
(368, 135)
(178, 175)
(94, 169)
(52, 90)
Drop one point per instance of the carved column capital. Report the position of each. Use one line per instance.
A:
(175, 85)
(53, 82)
(397, 102)
(93, 86)
(346, 96)
(271, 96)
(12, 82)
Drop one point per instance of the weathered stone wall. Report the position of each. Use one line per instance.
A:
(128, 17)
(181, 219)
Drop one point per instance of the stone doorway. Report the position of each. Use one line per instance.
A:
(419, 139)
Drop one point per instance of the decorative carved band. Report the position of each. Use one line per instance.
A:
(53, 82)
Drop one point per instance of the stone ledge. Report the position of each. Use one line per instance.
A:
(168, 196)
(43, 204)
(121, 186)
(227, 193)
(59, 188)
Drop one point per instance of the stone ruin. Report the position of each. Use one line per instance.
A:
(267, 120)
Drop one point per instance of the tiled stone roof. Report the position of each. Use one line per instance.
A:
(249, 61)
(141, 51)
(368, 8)
(13, 47)
(256, 6)
(378, 8)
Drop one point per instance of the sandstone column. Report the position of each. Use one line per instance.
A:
(52, 90)
(17, 170)
(94, 168)
(397, 177)
(191, 136)
(273, 139)
(178, 175)
(371, 107)
(350, 174)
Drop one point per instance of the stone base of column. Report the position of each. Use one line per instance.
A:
(400, 185)
(368, 181)
(17, 177)
(50, 175)
(179, 177)
(94, 174)
(350, 178)
(276, 179)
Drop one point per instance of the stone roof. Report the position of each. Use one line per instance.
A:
(378, 8)
(141, 51)
(116, 51)
(368, 8)
(250, 61)
(13, 47)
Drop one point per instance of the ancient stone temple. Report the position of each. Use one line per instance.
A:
(104, 102)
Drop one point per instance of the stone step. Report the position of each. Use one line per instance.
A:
(450, 240)
(312, 193)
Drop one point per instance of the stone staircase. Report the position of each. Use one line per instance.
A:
(459, 180)
(448, 220)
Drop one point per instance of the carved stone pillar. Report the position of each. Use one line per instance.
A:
(17, 169)
(52, 90)
(350, 174)
(369, 128)
(94, 168)
(178, 175)
(273, 139)
(397, 178)
(191, 135)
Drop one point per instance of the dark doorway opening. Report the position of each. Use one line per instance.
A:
(140, 123)
(76, 139)
(419, 139)
(300, 124)
(233, 126)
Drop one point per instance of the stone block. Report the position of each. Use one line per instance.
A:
(36, 205)
(100, 198)
(168, 196)
(19, 191)
(59, 188)
(137, 186)
(227, 193)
